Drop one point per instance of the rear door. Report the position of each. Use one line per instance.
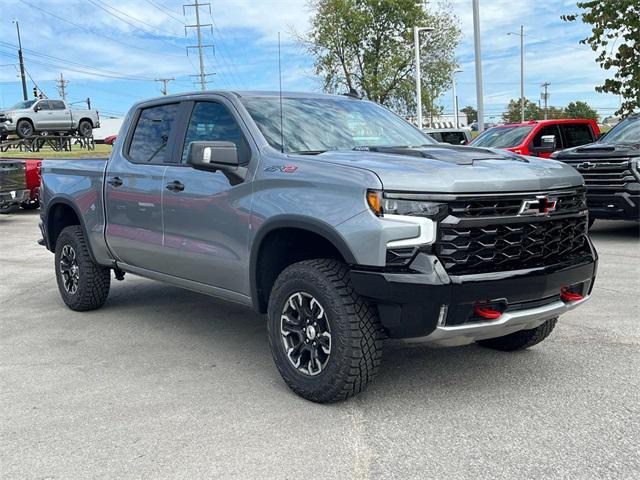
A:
(134, 187)
(577, 134)
(206, 214)
(61, 116)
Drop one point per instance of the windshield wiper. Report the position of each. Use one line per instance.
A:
(308, 152)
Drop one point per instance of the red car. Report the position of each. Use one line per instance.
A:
(110, 139)
(526, 138)
(33, 182)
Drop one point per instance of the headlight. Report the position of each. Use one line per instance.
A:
(382, 206)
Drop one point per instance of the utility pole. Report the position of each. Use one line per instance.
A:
(416, 46)
(62, 85)
(545, 97)
(478, 60)
(21, 60)
(164, 81)
(198, 26)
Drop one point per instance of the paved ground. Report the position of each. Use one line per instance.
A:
(164, 383)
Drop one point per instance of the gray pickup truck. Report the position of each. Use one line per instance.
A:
(333, 216)
(33, 117)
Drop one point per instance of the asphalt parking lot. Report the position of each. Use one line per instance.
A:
(165, 383)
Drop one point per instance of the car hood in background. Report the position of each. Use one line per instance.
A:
(457, 169)
(599, 150)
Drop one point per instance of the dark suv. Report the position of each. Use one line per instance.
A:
(610, 168)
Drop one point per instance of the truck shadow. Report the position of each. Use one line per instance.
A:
(236, 337)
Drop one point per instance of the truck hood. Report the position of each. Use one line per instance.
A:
(457, 169)
(599, 150)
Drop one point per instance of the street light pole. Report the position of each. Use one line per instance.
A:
(455, 97)
(478, 60)
(416, 46)
(521, 35)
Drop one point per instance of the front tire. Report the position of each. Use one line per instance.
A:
(325, 339)
(24, 129)
(83, 284)
(31, 205)
(522, 339)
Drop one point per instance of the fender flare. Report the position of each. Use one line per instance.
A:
(68, 202)
(299, 222)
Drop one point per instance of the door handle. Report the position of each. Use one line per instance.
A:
(115, 181)
(175, 186)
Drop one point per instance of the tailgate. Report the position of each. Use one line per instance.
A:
(12, 176)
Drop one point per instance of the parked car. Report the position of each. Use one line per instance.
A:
(13, 186)
(527, 138)
(110, 139)
(453, 136)
(33, 117)
(611, 169)
(317, 211)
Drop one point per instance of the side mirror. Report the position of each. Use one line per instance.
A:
(213, 155)
(547, 144)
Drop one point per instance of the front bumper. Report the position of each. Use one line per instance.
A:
(615, 205)
(427, 303)
(7, 127)
(14, 196)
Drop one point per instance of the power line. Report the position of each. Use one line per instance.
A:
(135, 19)
(95, 33)
(166, 11)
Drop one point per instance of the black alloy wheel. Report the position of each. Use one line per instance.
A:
(306, 334)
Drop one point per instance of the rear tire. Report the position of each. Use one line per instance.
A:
(85, 129)
(522, 339)
(346, 361)
(31, 205)
(83, 284)
(11, 208)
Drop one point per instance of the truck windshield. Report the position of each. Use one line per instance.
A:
(23, 105)
(502, 137)
(627, 131)
(316, 125)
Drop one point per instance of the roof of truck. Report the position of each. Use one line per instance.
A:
(546, 122)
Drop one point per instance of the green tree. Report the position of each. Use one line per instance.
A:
(553, 113)
(472, 113)
(615, 37)
(367, 45)
(579, 109)
(531, 111)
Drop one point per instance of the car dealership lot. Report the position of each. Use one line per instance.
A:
(165, 383)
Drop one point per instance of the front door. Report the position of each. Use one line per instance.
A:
(206, 214)
(134, 188)
(44, 116)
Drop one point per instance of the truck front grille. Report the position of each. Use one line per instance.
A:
(609, 173)
(509, 205)
(514, 246)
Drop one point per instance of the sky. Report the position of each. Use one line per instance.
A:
(113, 50)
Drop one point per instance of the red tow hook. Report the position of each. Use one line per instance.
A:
(568, 296)
(486, 312)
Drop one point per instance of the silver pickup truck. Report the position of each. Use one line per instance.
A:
(333, 216)
(33, 117)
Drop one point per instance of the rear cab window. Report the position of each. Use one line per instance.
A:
(150, 139)
(577, 134)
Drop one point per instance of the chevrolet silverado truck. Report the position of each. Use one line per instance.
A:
(611, 170)
(13, 186)
(340, 221)
(32, 117)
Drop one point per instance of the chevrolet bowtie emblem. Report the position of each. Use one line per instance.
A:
(586, 165)
(542, 205)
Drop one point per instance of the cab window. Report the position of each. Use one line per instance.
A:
(576, 134)
(548, 130)
(212, 122)
(43, 105)
(57, 104)
(151, 135)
